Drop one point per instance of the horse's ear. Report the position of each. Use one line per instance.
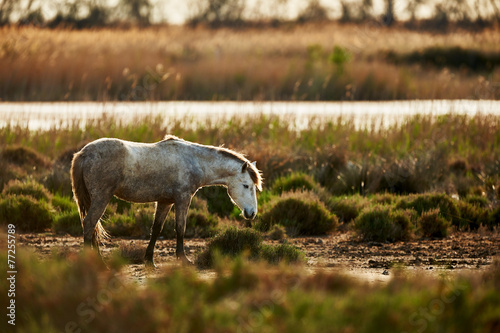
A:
(244, 167)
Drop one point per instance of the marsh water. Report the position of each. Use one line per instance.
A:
(364, 114)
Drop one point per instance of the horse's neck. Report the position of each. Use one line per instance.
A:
(216, 167)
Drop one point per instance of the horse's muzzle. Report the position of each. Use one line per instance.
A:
(249, 214)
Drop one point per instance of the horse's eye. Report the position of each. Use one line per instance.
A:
(245, 186)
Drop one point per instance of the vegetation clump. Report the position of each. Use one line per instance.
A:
(293, 182)
(446, 206)
(235, 242)
(28, 187)
(26, 213)
(432, 224)
(380, 223)
(301, 213)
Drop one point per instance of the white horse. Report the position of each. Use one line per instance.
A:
(168, 172)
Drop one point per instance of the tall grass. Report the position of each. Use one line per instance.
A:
(179, 63)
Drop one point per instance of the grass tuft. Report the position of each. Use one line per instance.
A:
(26, 213)
(301, 213)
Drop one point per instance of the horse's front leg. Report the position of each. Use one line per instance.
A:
(181, 209)
(162, 210)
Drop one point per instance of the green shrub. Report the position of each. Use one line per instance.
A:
(283, 252)
(28, 187)
(231, 242)
(380, 223)
(296, 181)
(132, 252)
(347, 208)
(234, 242)
(59, 180)
(432, 224)
(26, 213)
(68, 222)
(425, 202)
(24, 156)
(217, 199)
(477, 200)
(494, 218)
(63, 204)
(472, 215)
(302, 213)
(201, 224)
(277, 232)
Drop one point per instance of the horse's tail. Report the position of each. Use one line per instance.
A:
(82, 195)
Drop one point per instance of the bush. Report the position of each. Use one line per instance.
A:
(201, 224)
(296, 181)
(218, 201)
(477, 200)
(63, 204)
(432, 224)
(68, 223)
(132, 253)
(277, 232)
(28, 187)
(380, 223)
(347, 208)
(472, 215)
(283, 252)
(24, 156)
(494, 218)
(425, 202)
(26, 213)
(234, 242)
(301, 213)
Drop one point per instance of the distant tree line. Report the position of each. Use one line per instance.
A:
(218, 13)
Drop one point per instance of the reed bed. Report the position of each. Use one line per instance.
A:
(181, 63)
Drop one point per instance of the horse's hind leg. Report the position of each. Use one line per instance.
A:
(181, 209)
(97, 208)
(161, 213)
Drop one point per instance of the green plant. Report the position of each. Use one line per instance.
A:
(494, 218)
(27, 187)
(26, 213)
(347, 208)
(339, 57)
(233, 242)
(201, 224)
(296, 181)
(68, 222)
(380, 223)
(301, 213)
(472, 215)
(432, 224)
(63, 204)
(282, 252)
(429, 201)
(277, 232)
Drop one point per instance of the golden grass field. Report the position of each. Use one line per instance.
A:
(182, 63)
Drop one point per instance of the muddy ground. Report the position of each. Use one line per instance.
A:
(342, 252)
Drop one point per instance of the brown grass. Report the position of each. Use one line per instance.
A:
(185, 63)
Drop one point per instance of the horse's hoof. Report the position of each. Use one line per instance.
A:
(149, 263)
(185, 260)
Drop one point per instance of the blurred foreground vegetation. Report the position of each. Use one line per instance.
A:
(242, 296)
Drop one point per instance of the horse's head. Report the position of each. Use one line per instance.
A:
(242, 189)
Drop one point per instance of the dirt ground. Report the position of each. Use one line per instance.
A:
(368, 261)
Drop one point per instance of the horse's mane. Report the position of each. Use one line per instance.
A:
(255, 173)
